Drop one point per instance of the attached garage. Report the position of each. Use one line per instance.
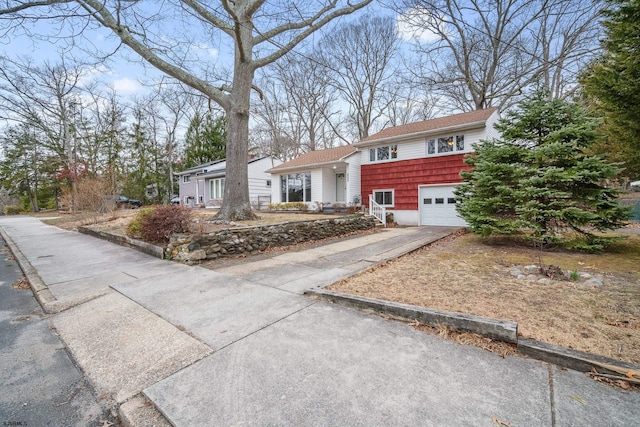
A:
(438, 206)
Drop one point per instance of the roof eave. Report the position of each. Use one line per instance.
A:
(465, 126)
(308, 166)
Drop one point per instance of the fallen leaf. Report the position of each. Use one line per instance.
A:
(633, 374)
(500, 422)
(578, 399)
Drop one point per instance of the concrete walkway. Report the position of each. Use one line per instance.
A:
(242, 346)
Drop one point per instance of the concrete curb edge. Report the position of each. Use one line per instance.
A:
(144, 247)
(492, 328)
(40, 290)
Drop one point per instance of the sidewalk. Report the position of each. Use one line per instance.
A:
(242, 346)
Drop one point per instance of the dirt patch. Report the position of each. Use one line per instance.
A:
(465, 274)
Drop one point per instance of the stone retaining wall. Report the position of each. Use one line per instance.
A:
(236, 241)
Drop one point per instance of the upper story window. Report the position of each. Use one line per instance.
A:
(380, 154)
(186, 178)
(447, 144)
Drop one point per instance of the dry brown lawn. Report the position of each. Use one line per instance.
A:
(465, 274)
(118, 221)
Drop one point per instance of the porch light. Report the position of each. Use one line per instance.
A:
(335, 167)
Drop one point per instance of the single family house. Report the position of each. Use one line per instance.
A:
(412, 169)
(318, 178)
(203, 185)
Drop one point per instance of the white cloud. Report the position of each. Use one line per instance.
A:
(211, 51)
(126, 85)
(416, 25)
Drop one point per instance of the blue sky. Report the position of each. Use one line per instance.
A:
(124, 70)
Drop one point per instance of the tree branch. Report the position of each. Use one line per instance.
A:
(311, 28)
(102, 15)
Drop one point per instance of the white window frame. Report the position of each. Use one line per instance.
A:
(216, 188)
(454, 143)
(186, 179)
(306, 194)
(385, 190)
(374, 152)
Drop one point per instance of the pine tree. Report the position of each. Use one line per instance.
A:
(205, 140)
(539, 180)
(612, 83)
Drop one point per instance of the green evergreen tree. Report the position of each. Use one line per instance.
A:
(539, 179)
(612, 83)
(205, 140)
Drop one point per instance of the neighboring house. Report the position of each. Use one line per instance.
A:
(412, 169)
(203, 185)
(318, 178)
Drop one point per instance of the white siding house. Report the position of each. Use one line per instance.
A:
(203, 185)
(321, 177)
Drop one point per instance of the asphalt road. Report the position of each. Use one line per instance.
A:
(39, 383)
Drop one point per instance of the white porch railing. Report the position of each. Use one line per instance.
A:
(378, 211)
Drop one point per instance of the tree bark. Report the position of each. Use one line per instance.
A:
(236, 205)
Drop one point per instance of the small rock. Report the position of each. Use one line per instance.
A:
(531, 277)
(515, 271)
(595, 282)
(521, 277)
(197, 255)
(544, 281)
(531, 268)
(584, 275)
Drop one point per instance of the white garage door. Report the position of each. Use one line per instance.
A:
(438, 206)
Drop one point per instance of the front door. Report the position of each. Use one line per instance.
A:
(341, 187)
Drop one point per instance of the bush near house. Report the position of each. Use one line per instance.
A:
(157, 224)
(289, 206)
(13, 210)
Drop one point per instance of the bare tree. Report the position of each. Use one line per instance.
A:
(298, 110)
(308, 92)
(277, 131)
(568, 38)
(46, 97)
(260, 33)
(483, 53)
(361, 55)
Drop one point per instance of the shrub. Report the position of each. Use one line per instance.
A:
(159, 225)
(134, 229)
(12, 210)
(289, 206)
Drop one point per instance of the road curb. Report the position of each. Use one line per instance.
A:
(128, 242)
(496, 329)
(570, 358)
(492, 328)
(40, 290)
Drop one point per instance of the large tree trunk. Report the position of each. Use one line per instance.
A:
(236, 204)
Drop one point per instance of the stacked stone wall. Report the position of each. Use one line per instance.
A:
(248, 240)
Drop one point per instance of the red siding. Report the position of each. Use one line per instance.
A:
(405, 176)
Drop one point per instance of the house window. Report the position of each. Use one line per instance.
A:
(268, 183)
(448, 144)
(200, 199)
(186, 178)
(381, 154)
(217, 188)
(296, 187)
(383, 197)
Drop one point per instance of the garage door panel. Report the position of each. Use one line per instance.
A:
(438, 206)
